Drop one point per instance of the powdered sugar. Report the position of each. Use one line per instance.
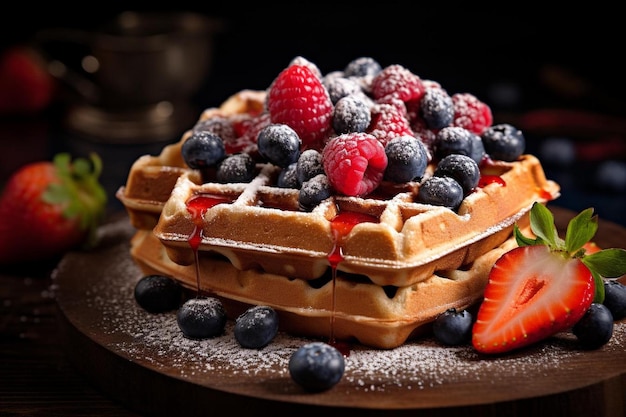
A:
(155, 341)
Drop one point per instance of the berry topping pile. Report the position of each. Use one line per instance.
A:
(351, 130)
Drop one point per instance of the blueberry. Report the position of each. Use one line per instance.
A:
(441, 191)
(478, 149)
(437, 108)
(452, 139)
(202, 150)
(316, 366)
(595, 328)
(256, 327)
(158, 293)
(309, 165)
(288, 178)
(407, 159)
(462, 168)
(615, 298)
(503, 142)
(610, 176)
(362, 67)
(220, 126)
(239, 167)
(279, 144)
(313, 192)
(453, 328)
(340, 87)
(351, 114)
(201, 318)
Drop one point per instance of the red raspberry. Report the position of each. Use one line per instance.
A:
(354, 163)
(247, 131)
(471, 113)
(387, 123)
(398, 81)
(298, 99)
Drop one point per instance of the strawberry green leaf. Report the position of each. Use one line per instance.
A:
(610, 263)
(542, 225)
(524, 240)
(580, 230)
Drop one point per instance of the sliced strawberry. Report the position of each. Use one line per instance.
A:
(545, 285)
(532, 293)
(297, 98)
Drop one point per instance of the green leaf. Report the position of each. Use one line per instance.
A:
(542, 225)
(580, 230)
(599, 287)
(610, 263)
(524, 240)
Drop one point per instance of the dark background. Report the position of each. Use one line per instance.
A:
(524, 62)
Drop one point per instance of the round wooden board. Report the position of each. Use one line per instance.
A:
(141, 360)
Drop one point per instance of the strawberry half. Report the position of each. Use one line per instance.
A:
(298, 99)
(545, 285)
(50, 207)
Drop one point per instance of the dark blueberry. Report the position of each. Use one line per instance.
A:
(558, 151)
(201, 318)
(256, 327)
(478, 149)
(436, 108)
(158, 293)
(462, 168)
(441, 191)
(309, 165)
(203, 150)
(452, 139)
(453, 328)
(362, 67)
(340, 87)
(313, 192)
(503, 142)
(279, 144)
(595, 328)
(407, 159)
(219, 126)
(610, 176)
(615, 298)
(351, 114)
(316, 366)
(288, 178)
(239, 167)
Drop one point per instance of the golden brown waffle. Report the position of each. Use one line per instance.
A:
(396, 275)
(380, 317)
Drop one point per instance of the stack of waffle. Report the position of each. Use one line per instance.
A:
(395, 275)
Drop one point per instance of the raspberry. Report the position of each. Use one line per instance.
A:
(398, 81)
(298, 99)
(246, 134)
(471, 113)
(354, 163)
(387, 123)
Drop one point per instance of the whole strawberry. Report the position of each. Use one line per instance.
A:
(545, 285)
(50, 207)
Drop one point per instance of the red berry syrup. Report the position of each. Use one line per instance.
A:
(197, 205)
(341, 225)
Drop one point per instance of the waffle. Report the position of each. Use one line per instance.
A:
(351, 309)
(396, 274)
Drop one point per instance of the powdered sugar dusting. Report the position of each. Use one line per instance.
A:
(155, 340)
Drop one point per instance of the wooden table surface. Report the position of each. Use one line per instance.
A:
(37, 379)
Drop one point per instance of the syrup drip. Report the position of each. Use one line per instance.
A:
(485, 180)
(197, 205)
(341, 225)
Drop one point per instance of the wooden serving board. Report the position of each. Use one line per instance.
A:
(143, 361)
